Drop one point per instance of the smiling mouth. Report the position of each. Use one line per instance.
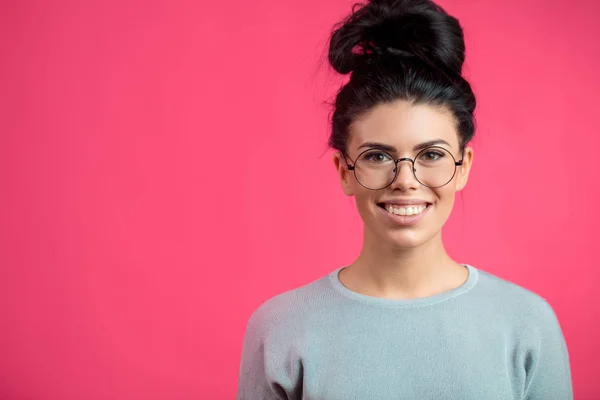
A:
(396, 209)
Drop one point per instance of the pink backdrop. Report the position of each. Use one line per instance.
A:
(163, 172)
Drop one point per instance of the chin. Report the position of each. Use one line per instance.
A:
(404, 240)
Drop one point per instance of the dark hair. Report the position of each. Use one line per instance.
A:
(399, 49)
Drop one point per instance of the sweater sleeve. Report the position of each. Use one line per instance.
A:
(551, 372)
(253, 382)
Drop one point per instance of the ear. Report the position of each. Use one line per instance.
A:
(346, 176)
(464, 170)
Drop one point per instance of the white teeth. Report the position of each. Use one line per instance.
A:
(398, 210)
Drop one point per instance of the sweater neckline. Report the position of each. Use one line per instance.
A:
(403, 303)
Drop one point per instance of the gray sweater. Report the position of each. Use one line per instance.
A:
(485, 340)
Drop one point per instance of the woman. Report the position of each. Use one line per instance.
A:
(404, 321)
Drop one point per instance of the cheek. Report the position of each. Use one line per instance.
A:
(362, 196)
(365, 201)
(445, 200)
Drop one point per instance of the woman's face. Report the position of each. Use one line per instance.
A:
(404, 128)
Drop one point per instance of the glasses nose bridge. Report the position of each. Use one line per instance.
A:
(412, 163)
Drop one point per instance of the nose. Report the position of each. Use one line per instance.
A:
(405, 178)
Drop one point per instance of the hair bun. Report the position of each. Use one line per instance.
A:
(393, 29)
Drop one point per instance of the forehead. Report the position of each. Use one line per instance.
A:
(403, 125)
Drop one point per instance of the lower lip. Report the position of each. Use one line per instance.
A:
(405, 220)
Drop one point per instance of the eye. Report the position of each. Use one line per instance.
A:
(376, 157)
(432, 155)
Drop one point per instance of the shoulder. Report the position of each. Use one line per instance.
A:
(514, 300)
(292, 307)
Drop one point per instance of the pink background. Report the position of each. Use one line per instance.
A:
(163, 171)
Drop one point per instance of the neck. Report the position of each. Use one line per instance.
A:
(384, 270)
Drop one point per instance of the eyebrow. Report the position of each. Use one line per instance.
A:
(392, 149)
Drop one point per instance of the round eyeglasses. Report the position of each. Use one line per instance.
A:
(376, 169)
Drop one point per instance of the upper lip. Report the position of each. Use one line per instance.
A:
(405, 202)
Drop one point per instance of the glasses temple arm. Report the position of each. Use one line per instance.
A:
(350, 167)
